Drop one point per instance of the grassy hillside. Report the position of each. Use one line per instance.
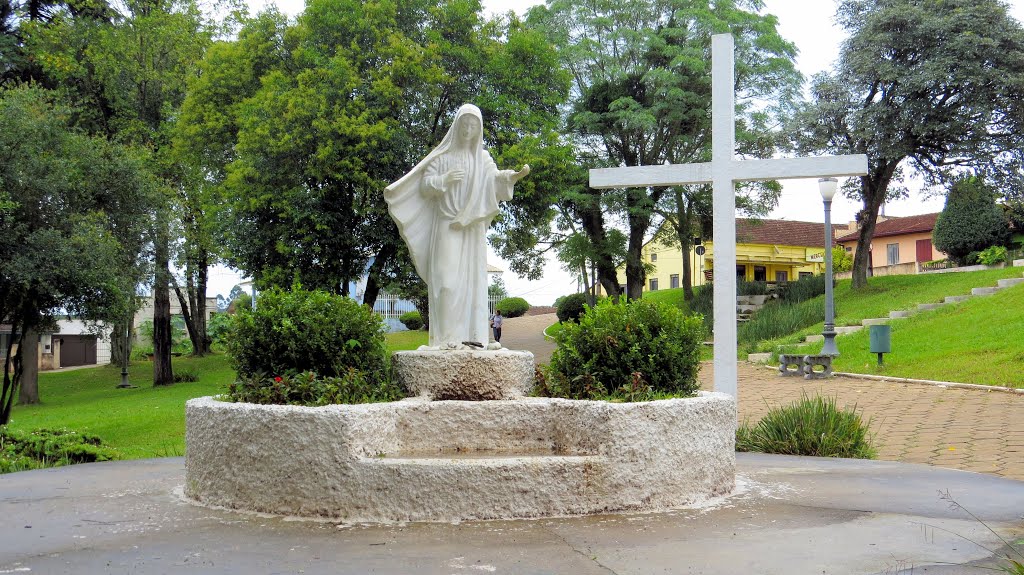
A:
(980, 340)
(885, 294)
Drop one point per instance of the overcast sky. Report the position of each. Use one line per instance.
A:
(806, 23)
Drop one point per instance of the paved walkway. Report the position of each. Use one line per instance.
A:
(971, 430)
(788, 515)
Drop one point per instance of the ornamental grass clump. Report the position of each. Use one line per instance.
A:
(21, 450)
(291, 334)
(633, 351)
(811, 426)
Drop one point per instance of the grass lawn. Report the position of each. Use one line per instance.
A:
(143, 422)
(977, 341)
(672, 296)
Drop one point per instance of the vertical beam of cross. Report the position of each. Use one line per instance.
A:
(723, 172)
(723, 142)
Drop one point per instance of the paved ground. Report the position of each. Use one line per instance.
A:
(789, 516)
(964, 429)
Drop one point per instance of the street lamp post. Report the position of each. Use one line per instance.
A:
(124, 356)
(827, 187)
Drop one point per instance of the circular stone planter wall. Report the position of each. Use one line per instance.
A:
(417, 460)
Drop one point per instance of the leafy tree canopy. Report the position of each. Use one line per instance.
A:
(971, 220)
(931, 87)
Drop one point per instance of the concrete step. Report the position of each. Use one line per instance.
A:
(984, 290)
(928, 306)
(747, 308)
(1010, 282)
(875, 321)
(901, 314)
(814, 337)
(1018, 263)
(958, 298)
(759, 357)
(848, 329)
(752, 299)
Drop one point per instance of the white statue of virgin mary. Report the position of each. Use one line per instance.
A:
(443, 208)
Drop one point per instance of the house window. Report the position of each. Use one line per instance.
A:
(781, 277)
(654, 284)
(760, 274)
(654, 257)
(893, 253)
(741, 273)
(673, 281)
(806, 275)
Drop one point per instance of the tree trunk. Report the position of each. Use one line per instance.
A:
(593, 226)
(874, 188)
(684, 232)
(29, 353)
(120, 345)
(375, 273)
(162, 373)
(201, 344)
(12, 372)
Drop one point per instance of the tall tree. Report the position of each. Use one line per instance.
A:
(926, 87)
(641, 93)
(304, 139)
(65, 194)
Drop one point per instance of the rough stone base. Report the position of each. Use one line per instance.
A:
(465, 375)
(419, 460)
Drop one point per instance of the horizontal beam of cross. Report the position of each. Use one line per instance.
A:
(740, 170)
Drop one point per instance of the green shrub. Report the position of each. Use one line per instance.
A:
(21, 450)
(751, 288)
(970, 221)
(803, 289)
(411, 320)
(513, 306)
(778, 319)
(810, 426)
(308, 388)
(219, 327)
(300, 330)
(572, 306)
(992, 255)
(703, 304)
(185, 375)
(634, 350)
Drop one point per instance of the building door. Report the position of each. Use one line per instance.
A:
(760, 274)
(924, 250)
(77, 350)
(741, 273)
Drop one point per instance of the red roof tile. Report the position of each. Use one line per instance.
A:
(899, 227)
(783, 232)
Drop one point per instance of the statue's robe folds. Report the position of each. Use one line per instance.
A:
(445, 229)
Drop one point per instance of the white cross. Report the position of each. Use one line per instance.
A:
(723, 172)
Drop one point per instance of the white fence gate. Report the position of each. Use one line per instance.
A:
(391, 307)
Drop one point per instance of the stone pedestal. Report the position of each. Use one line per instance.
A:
(465, 375)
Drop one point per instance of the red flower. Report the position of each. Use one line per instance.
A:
(278, 378)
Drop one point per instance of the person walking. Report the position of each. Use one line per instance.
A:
(496, 321)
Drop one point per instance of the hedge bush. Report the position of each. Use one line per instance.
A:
(810, 426)
(412, 320)
(308, 388)
(300, 331)
(513, 306)
(572, 306)
(993, 255)
(636, 350)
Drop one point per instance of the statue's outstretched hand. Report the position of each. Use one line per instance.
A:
(516, 176)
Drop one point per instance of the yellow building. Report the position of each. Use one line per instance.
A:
(766, 250)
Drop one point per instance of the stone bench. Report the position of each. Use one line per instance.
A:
(804, 366)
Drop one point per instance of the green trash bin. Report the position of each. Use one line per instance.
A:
(881, 340)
